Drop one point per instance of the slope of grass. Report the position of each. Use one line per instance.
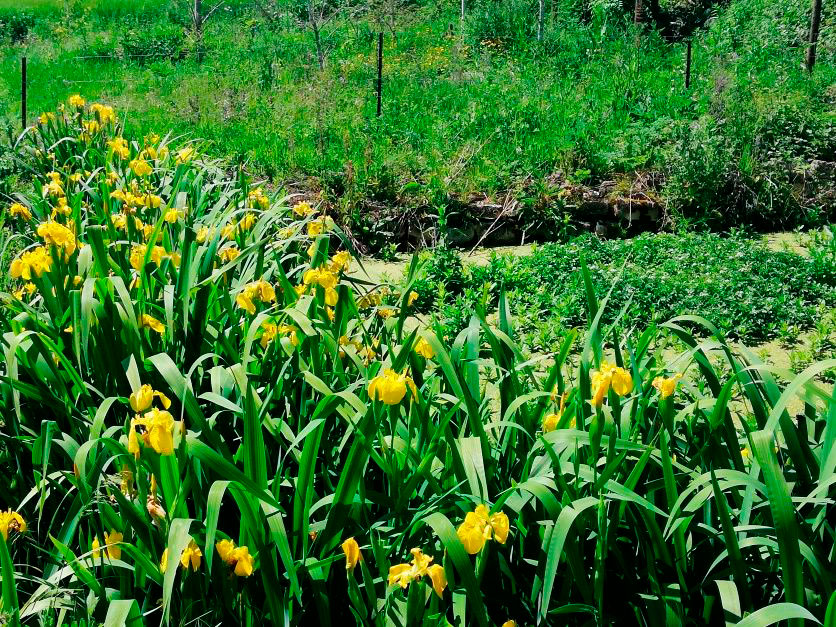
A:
(465, 114)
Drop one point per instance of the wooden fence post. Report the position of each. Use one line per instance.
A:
(23, 92)
(379, 73)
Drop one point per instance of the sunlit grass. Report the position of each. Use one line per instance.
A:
(208, 417)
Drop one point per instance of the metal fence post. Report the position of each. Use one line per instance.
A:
(23, 91)
(379, 73)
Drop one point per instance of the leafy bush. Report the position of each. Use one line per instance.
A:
(15, 25)
(160, 41)
(505, 21)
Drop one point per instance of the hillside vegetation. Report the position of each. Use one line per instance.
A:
(470, 110)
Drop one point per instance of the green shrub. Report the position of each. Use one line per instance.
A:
(161, 41)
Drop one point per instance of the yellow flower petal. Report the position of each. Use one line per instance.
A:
(352, 553)
(439, 578)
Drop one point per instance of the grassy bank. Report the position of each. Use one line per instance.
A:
(483, 110)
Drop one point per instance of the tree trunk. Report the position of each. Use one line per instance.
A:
(815, 22)
(638, 13)
(462, 18)
(540, 15)
(320, 56)
(197, 23)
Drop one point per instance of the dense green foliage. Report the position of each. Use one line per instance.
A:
(482, 109)
(189, 364)
(747, 290)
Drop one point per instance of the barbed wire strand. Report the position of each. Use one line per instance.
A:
(135, 56)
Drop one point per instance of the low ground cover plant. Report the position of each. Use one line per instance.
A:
(207, 418)
(747, 290)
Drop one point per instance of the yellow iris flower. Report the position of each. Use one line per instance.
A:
(404, 574)
(32, 262)
(112, 548)
(144, 396)
(58, 235)
(254, 292)
(17, 209)
(320, 276)
(391, 387)
(152, 323)
(340, 262)
(140, 167)
(11, 521)
(352, 553)
(121, 149)
(238, 558)
(479, 526)
(666, 386)
(184, 155)
(191, 555)
(303, 209)
(230, 253)
(423, 348)
(610, 376)
(158, 432)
